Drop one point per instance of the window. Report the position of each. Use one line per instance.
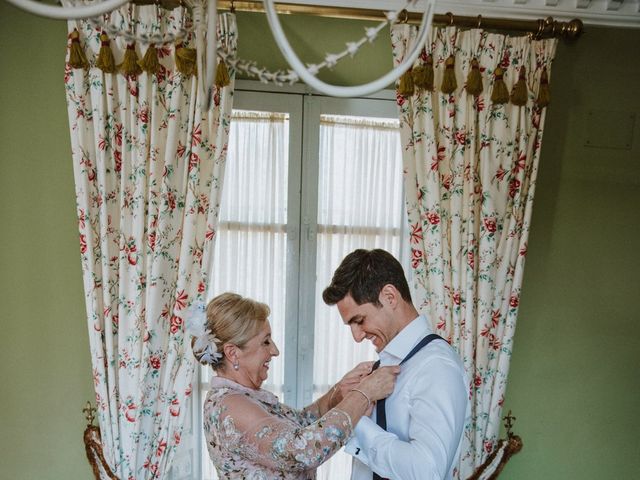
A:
(308, 179)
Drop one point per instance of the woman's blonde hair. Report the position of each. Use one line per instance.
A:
(232, 318)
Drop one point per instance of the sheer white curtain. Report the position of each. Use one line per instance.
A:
(250, 250)
(360, 205)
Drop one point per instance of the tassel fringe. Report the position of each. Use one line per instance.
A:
(185, 60)
(519, 93)
(544, 94)
(449, 83)
(500, 92)
(474, 79)
(77, 58)
(423, 76)
(222, 75)
(149, 62)
(406, 86)
(129, 66)
(105, 61)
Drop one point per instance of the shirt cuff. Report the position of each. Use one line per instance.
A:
(366, 431)
(353, 448)
(369, 434)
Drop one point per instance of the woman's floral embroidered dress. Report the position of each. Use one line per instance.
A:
(252, 436)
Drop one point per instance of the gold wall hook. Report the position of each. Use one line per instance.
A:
(89, 413)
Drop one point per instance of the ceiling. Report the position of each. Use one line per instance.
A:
(617, 13)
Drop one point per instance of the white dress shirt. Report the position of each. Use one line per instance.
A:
(425, 413)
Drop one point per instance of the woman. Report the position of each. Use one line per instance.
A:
(250, 434)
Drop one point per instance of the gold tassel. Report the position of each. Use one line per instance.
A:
(77, 58)
(105, 61)
(405, 86)
(474, 79)
(129, 66)
(500, 92)
(418, 75)
(222, 75)
(422, 76)
(428, 77)
(519, 93)
(449, 83)
(149, 62)
(185, 60)
(544, 94)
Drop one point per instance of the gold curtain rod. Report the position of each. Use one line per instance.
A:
(541, 28)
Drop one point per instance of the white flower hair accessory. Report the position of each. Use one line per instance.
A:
(205, 343)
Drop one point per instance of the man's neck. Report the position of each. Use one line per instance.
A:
(406, 314)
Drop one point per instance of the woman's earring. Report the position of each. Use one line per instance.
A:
(236, 366)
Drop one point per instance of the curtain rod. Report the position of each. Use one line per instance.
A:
(541, 28)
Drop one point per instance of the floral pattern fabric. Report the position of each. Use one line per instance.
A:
(470, 174)
(148, 162)
(252, 436)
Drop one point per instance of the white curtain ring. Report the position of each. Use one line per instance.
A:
(339, 91)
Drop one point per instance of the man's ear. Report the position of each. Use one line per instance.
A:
(389, 295)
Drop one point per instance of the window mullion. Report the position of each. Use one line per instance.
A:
(308, 223)
(292, 309)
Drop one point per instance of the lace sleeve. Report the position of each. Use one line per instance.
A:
(308, 415)
(280, 442)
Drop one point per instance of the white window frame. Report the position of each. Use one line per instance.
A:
(304, 108)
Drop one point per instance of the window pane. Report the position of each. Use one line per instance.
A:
(250, 250)
(360, 205)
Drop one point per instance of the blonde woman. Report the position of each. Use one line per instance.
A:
(250, 434)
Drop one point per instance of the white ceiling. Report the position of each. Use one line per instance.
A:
(618, 13)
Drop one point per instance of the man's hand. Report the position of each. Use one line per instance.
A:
(350, 381)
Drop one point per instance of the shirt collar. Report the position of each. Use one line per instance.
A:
(407, 338)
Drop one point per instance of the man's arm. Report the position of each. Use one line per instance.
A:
(437, 408)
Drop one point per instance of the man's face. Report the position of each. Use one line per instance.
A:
(367, 321)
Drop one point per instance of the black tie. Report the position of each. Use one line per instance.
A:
(381, 414)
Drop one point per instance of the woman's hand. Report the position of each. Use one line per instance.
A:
(380, 383)
(350, 381)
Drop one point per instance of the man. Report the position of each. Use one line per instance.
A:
(425, 414)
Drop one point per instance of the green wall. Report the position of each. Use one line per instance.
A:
(45, 365)
(573, 386)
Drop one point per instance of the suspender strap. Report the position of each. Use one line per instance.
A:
(381, 414)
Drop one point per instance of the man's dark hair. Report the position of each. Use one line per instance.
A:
(362, 274)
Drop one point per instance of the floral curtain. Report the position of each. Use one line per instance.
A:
(148, 162)
(470, 163)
